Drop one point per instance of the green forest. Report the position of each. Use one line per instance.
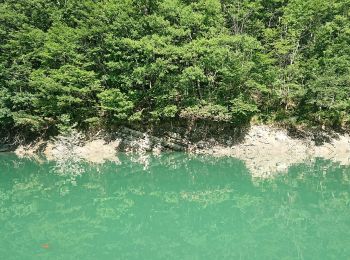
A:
(97, 63)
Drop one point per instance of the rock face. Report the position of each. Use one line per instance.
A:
(99, 149)
(265, 150)
(135, 140)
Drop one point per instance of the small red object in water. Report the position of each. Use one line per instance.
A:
(46, 246)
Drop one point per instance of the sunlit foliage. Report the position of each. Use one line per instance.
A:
(112, 62)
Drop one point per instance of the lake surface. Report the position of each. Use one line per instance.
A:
(174, 206)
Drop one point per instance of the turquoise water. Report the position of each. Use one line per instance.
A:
(179, 207)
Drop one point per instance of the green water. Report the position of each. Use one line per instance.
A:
(178, 207)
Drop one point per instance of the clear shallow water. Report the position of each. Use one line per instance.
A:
(181, 207)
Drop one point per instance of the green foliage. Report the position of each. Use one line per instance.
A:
(207, 111)
(117, 61)
(64, 125)
(116, 104)
(242, 110)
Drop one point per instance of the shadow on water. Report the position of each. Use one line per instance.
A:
(179, 206)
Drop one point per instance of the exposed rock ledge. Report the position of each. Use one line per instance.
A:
(265, 150)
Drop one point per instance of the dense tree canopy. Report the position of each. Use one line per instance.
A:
(115, 61)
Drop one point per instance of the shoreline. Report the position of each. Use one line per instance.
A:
(266, 150)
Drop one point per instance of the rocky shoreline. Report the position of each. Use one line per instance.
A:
(266, 150)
